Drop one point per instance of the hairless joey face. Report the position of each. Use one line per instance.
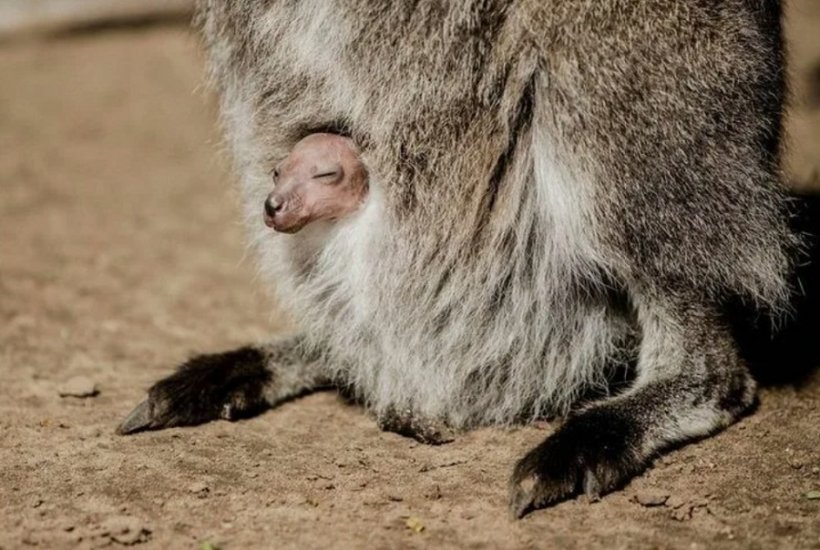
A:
(321, 179)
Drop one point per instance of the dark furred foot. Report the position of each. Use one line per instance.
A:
(593, 452)
(223, 385)
(423, 430)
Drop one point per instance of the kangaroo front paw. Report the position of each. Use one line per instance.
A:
(224, 385)
(592, 453)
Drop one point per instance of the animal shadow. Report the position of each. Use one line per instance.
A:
(787, 351)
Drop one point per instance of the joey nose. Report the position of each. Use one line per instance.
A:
(273, 204)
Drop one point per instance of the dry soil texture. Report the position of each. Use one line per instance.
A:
(120, 255)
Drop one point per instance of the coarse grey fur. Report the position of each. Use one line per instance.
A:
(559, 191)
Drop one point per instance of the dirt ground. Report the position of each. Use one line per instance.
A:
(121, 254)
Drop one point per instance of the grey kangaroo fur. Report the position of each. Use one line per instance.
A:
(561, 193)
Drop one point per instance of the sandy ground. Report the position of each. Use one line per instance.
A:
(120, 255)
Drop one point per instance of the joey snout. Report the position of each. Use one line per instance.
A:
(285, 211)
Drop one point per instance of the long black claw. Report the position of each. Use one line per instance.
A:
(138, 420)
(521, 501)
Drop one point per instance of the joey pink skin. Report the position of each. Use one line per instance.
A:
(321, 179)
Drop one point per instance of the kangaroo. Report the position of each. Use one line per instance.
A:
(562, 198)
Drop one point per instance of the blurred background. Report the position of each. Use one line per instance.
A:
(21, 19)
(121, 253)
(803, 127)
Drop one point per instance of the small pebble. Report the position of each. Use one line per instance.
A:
(414, 524)
(675, 501)
(200, 489)
(79, 386)
(125, 530)
(434, 493)
(682, 514)
(651, 497)
(468, 514)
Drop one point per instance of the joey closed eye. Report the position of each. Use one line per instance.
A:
(330, 174)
